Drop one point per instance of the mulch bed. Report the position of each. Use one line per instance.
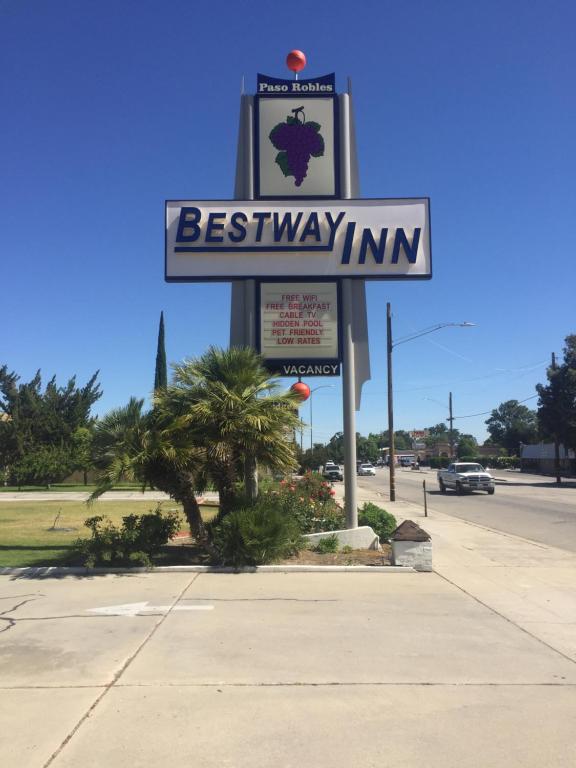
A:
(356, 557)
(182, 550)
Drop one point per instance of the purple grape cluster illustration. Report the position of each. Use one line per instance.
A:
(297, 141)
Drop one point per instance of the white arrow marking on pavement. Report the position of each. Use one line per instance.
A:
(133, 609)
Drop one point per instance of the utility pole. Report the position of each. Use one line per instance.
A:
(391, 452)
(556, 442)
(451, 420)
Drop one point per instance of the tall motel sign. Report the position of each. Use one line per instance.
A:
(298, 242)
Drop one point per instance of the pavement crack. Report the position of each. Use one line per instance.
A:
(11, 622)
(260, 600)
(30, 594)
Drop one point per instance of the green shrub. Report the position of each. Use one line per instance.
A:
(256, 535)
(381, 522)
(327, 545)
(494, 462)
(42, 465)
(133, 543)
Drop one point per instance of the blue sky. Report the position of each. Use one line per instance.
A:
(109, 108)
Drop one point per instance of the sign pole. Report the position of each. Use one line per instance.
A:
(348, 351)
(349, 398)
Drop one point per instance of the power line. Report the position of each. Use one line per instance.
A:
(471, 415)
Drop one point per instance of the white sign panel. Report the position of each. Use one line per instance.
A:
(298, 320)
(234, 239)
(295, 154)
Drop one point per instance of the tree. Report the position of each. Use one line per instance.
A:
(367, 448)
(557, 400)
(220, 415)
(511, 424)
(439, 430)
(467, 446)
(402, 440)
(43, 465)
(439, 433)
(32, 419)
(130, 444)
(229, 401)
(161, 373)
(82, 451)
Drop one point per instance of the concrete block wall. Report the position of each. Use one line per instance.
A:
(415, 554)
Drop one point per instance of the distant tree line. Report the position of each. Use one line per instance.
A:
(47, 432)
(509, 425)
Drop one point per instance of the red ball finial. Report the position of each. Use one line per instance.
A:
(301, 389)
(296, 61)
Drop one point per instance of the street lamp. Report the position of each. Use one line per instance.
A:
(389, 347)
(322, 386)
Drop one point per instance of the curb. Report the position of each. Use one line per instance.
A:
(56, 571)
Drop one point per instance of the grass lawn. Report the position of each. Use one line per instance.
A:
(29, 535)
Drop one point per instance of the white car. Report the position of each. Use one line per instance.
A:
(366, 469)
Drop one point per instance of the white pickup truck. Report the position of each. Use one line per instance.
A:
(464, 476)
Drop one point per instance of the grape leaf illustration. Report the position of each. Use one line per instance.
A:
(297, 141)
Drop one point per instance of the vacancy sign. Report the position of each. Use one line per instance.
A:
(299, 323)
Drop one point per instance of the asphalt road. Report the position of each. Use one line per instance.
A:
(526, 505)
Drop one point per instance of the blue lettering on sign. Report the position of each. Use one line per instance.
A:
(188, 221)
(240, 228)
(369, 242)
(260, 217)
(312, 229)
(213, 225)
(224, 232)
(401, 241)
(287, 225)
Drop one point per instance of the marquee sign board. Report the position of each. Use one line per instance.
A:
(296, 147)
(233, 239)
(298, 328)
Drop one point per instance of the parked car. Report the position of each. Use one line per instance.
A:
(465, 477)
(333, 474)
(366, 469)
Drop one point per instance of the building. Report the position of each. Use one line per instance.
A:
(540, 458)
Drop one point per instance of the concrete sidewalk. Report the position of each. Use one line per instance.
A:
(528, 583)
(472, 666)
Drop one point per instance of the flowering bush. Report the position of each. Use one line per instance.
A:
(310, 501)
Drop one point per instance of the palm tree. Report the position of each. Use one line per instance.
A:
(228, 402)
(221, 415)
(130, 444)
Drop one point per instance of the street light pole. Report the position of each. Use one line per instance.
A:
(451, 433)
(391, 452)
(389, 347)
